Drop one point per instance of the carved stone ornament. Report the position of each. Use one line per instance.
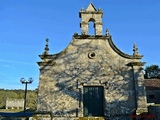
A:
(91, 55)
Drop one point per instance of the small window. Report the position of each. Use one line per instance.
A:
(91, 55)
(151, 96)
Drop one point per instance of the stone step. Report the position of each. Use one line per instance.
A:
(90, 118)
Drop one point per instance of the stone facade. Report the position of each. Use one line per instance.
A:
(91, 62)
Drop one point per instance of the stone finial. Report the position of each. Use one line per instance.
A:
(99, 9)
(82, 9)
(135, 50)
(107, 32)
(75, 34)
(46, 49)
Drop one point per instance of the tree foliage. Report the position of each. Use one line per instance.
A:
(152, 71)
(31, 100)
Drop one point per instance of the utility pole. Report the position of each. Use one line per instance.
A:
(23, 81)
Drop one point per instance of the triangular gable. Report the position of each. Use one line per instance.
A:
(91, 7)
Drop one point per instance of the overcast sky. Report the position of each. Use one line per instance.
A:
(25, 24)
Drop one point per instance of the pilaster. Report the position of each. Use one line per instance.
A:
(141, 104)
(98, 28)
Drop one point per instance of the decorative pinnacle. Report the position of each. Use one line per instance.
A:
(107, 32)
(82, 9)
(46, 48)
(99, 9)
(135, 50)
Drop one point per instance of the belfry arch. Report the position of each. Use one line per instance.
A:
(91, 20)
(91, 27)
(91, 15)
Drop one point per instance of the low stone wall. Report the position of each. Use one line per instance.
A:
(14, 103)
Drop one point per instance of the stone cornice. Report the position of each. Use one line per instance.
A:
(121, 53)
(89, 36)
(51, 57)
(137, 63)
(46, 63)
(46, 56)
(43, 63)
(48, 60)
(113, 46)
(89, 12)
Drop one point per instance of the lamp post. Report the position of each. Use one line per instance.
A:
(23, 81)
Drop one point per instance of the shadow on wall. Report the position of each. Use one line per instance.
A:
(103, 69)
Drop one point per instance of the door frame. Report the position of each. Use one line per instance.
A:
(103, 98)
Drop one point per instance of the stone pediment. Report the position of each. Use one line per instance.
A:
(91, 8)
(48, 59)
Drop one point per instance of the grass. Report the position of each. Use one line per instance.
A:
(156, 105)
(11, 110)
(16, 110)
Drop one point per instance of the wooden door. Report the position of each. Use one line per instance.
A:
(93, 98)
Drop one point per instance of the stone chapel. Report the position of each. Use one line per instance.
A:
(91, 77)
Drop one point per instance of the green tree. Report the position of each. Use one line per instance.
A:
(152, 71)
(32, 100)
(19, 94)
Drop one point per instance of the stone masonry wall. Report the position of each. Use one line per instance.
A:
(91, 62)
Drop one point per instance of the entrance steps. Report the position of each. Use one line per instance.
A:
(90, 118)
(65, 118)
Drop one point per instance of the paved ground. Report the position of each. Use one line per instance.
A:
(15, 114)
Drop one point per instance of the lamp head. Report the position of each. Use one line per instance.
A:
(22, 80)
(30, 80)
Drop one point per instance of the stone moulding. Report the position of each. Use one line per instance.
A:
(51, 57)
(46, 56)
(113, 46)
(120, 52)
(49, 63)
(137, 63)
(76, 36)
(91, 12)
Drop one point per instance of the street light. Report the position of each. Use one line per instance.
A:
(23, 81)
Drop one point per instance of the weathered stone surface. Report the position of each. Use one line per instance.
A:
(91, 61)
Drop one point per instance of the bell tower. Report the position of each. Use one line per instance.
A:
(91, 15)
